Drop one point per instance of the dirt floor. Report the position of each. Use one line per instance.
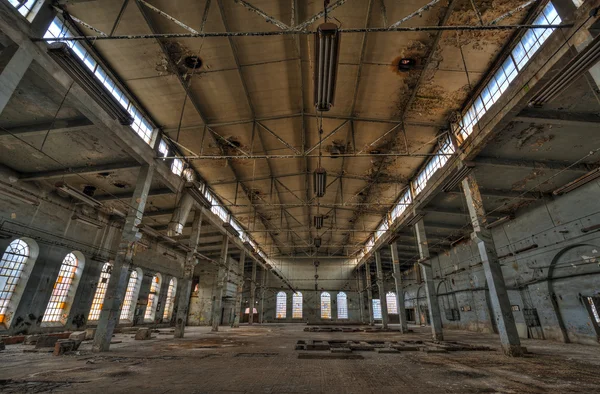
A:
(263, 359)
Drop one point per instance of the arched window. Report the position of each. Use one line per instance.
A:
(133, 288)
(325, 305)
(297, 306)
(170, 301)
(281, 307)
(342, 305)
(11, 268)
(377, 309)
(152, 298)
(100, 292)
(392, 305)
(59, 305)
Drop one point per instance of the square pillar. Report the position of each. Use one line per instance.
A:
(14, 62)
(382, 294)
(185, 283)
(505, 321)
(427, 272)
(221, 276)
(399, 288)
(115, 291)
(252, 294)
(361, 299)
(239, 290)
(263, 288)
(369, 293)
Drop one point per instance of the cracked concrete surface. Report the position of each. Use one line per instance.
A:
(263, 359)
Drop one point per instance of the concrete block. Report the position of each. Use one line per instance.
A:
(2, 345)
(89, 333)
(63, 346)
(31, 339)
(46, 341)
(78, 336)
(317, 345)
(386, 350)
(341, 350)
(142, 334)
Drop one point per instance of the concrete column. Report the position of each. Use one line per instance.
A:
(361, 299)
(14, 62)
(382, 294)
(221, 275)
(115, 291)
(399, 288)
(505, 321)
(252, 293)
(427, 272)
(240, 289)
(185, 284)
(262, 296)
(369, 293)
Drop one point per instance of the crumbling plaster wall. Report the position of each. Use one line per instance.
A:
(51, 227)
(548, 263)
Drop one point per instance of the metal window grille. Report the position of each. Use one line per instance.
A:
(342, 305)
(127, 308)
(325, 305)
(170, 301)
(11, 266)
(152, 298)
(297, 306)
(281, 307)
(392, 305)
(100, 293)
(58, 299)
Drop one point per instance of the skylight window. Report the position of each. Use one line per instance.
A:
(177, 167)
(434, 164)
(27, 8)
(140, 125)
(400, 207)
(381, 229)
(523, 51)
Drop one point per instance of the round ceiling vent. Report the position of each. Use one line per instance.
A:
(193, 62)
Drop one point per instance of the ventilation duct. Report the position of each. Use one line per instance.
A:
(320, 181)
(582, 180)
(71, 63)
(464, 170)
(327, 44)
(180, 216)
(579, 65)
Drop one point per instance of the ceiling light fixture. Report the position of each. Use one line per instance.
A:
(81, 74)
(320, 181)
(327, 43)
(406, 64)
(318, 220)
(317, 242)
(70, 190)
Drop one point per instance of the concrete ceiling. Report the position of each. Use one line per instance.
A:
(256, 94)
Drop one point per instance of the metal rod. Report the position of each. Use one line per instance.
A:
(263, 14)
(417, 12)
(290, 147)
(253, 157)
(512, 12)
(318, 16)
(294, 32)
(169, 17)
(326, 137)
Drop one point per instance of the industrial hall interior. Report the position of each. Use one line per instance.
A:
(300, 196)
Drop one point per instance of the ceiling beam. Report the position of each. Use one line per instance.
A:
(127, 196)
(85, 170)
(57, 126)
(190, 98)
(578, 119)
(530, 164)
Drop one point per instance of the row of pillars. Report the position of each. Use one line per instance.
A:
(482, 236)
(115, 292)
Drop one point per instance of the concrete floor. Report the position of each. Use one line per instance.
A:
(204, 362)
